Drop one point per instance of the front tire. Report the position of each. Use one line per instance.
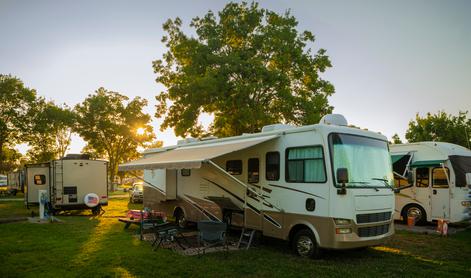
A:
(305, 245)
(415, 211)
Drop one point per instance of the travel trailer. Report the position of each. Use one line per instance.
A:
(73, 182)
(440, 185)
(16, 181)
(319, 186)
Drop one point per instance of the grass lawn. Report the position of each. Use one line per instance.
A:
(87, 246)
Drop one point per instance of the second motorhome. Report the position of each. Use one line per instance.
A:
(441, 180)
(319, 186)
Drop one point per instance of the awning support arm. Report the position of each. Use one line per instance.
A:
(241, 183)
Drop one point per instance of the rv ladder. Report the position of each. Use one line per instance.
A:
(246, 238)
(58, 176)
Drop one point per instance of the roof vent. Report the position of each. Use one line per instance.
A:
(274, 127)
(334, 119)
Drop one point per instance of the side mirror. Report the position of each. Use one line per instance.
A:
(410, 178)
(342, 175)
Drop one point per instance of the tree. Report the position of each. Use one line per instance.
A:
(15, 114)
(11, 160)
(52, 131)
(441, 127)
(395, 139)
(249, 67)
(109, 121)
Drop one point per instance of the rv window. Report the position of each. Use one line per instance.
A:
(272, 166)
(421, 177)
(305, 164)
(253, 170)
(39, 179)
(234, 167)
(186, 172)
(399, 182)
(439, 178)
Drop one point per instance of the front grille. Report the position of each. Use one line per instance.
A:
(373, 217)
(373, 231)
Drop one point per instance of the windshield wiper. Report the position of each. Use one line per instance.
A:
(385, 182)
(359, 182)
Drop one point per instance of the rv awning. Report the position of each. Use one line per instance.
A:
(187, 157)
(400, 163)
(396, 157)
(426, 163)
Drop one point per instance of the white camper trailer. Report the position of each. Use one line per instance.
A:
(16, 181)
(440, 181)
(319, 186)
(73, 182)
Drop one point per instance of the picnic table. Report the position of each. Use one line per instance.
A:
(143, 220)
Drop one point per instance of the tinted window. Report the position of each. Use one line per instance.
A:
(39, 179)
(234, 167)
(421, 177)
(253, 170)
(272, 166)
(305, 164)
(440, 177)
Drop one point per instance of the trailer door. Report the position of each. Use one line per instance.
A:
(440, 193)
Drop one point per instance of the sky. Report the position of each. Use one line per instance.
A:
(391, 59)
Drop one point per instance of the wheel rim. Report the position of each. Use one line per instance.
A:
(415, 212)
(181, 221)
(304, 245)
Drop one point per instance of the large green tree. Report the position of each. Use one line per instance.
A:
(114, 126)
(441, 127)
(248, 66)
(16, 115)
(52, 131)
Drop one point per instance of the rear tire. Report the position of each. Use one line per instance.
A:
(96, 210)
(304, 244)
(417, 212)
(180, 219)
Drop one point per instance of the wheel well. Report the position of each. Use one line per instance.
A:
(403, 211)
(177, 211)
(295, 229)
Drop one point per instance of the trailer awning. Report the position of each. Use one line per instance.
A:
(400, 163)
(188, 157)
(426, 163)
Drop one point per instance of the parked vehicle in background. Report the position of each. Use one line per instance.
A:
(3, 184)
(319, 186)
(439, 181)
(136, 194)
(16, 181)
(73, 182)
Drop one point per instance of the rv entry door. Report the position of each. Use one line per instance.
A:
(440, 193)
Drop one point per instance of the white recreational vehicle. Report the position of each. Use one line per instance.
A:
(16, 181)
(319, 186)
(440, 181)
(73, 182)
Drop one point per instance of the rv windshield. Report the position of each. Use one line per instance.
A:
(367, 160)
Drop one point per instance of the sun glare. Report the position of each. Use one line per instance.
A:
(140, 131)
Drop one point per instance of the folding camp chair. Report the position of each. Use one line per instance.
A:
(211, 234)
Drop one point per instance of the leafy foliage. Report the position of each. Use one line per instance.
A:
(395, 139)
(441, 127)
(108, 121)
(52, 130)
(249, 67)
(16, 115)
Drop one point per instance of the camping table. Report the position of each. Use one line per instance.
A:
(168, 232)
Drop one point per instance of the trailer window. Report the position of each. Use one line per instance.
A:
(234, 167)
(421, 177)
(185, 172)
(440, 177)
(253, 170)
(399, 182)
(272, 166)
(305, 164)
(39, 179)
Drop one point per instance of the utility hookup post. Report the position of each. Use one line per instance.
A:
(42, 203)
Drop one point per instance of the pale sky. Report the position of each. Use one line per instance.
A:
(391, 59)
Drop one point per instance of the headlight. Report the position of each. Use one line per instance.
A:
(343, 231)
(341, 221)
(466, 204)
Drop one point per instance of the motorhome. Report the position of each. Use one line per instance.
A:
(73, 182)
(439, 184)
(319, 186)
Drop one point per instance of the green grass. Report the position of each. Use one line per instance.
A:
(86, 246)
